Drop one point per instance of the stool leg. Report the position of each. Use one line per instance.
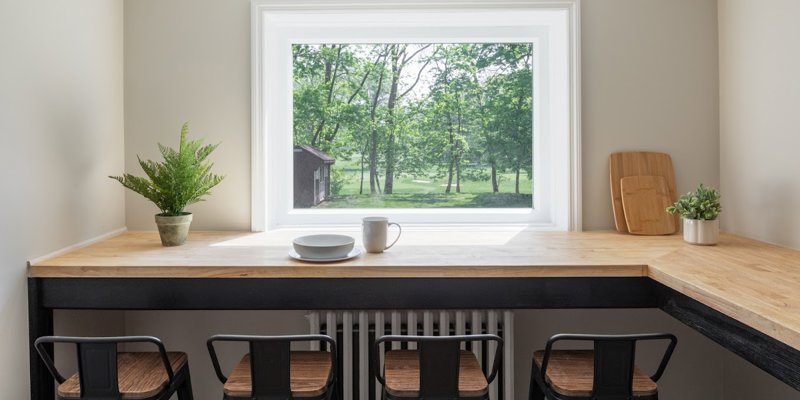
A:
(535, 392)
(185, 389)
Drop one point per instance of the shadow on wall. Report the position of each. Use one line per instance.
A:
(775, 227)
(743, 381)
(14, 314)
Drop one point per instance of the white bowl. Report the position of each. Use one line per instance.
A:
(323, 246)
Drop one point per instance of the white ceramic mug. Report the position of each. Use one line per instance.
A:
(375, 230)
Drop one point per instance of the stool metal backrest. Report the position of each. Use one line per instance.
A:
(270, 362)
(97, 362)
(439, 362)
(614, 357)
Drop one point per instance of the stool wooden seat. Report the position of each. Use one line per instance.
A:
(401, 370)
(607, 371)
(310, 373)
(438, 369)
(271, 370)
(571, 373)
(106, 373)
(140, 375)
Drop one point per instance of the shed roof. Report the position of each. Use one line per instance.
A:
(325, 157)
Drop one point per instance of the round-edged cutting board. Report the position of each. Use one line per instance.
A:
(644, 201)
(637, 163)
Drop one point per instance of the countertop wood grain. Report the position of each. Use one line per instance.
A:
(501, 253)
(753, 282)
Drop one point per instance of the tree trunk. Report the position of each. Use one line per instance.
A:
(495, 186)
(399, 60)
(451, 137)
(450, 176)
(388, 183)
(373, 161)
(457, 156)
(332, 135)
(373, 153)
(361, 185)
(520, 153)
(451, 146)
(331, 70)
(458, 175)
(390, 160)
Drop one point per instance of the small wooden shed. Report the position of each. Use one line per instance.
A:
(312, 176)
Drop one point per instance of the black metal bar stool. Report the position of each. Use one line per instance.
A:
(438, 370)
(105, 373)
(607, 372)
(272, 371)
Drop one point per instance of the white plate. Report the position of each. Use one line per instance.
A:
(352, 254)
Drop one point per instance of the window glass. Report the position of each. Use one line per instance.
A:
(413, 125)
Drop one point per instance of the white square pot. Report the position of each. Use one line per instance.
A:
(701, 232)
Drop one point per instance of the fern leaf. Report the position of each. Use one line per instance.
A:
(181, 179)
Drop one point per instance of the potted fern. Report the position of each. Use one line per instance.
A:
(699, 210)
(183, 178)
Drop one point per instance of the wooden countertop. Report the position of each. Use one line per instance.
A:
(420, 254)
(753, 282)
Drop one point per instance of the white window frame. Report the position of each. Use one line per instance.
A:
(553, 30)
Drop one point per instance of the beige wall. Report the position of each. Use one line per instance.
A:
(759, 118)
(649, 83)
(646, 86)
(189, 60)
(61, 134)
(759, 138)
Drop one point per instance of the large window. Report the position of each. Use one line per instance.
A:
(428, 113)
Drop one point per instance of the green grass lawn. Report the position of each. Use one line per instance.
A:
(428, 192)
(431, 200)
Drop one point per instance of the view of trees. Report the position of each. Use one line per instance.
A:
(419, 125)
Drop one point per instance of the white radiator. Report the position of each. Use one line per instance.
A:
(357, 330)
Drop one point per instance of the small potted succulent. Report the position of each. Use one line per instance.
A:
(699, 210)
(183, 178)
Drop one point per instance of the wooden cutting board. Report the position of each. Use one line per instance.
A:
(644, 200)
(638, 163)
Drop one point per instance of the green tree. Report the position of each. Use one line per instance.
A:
(508, 140)
(400, 55)
(452, 110)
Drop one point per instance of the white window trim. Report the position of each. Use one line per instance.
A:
(264, 218)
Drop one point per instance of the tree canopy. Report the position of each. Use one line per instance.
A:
(458, 112)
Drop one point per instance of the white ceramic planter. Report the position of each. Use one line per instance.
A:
(173, 230)
(701, 232)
